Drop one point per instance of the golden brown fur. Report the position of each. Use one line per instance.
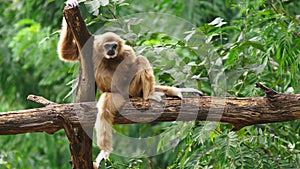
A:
(117, 78)
(67, 48)
(119, 74)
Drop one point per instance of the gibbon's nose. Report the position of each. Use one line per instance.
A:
(111, 52)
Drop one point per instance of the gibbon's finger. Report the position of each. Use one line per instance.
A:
(72, 3)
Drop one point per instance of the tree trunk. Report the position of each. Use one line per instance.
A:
(80, 137)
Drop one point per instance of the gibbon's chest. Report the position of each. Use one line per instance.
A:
(114, 77)
(104, 75)
(103, 79)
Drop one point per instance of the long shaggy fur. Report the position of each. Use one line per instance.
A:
(67, 49)
(117, 77)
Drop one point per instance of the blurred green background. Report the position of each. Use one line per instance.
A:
(239, 43)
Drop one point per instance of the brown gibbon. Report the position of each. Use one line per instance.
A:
(119, 74)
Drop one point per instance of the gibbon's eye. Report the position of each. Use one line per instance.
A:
(107, 46)
(115, 46)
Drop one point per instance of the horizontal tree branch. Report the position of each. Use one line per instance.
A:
(239, 112)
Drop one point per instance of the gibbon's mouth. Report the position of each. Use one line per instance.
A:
(111, 52)
(110, 56)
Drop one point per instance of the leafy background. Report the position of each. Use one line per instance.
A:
(253, 41)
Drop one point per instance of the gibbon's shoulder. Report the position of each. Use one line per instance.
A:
(127, 48)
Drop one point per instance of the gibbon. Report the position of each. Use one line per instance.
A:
(119, 74)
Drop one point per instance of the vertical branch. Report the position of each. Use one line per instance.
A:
(84, 40)
(80, 139)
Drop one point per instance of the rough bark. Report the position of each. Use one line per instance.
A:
(84, 41)
(240, 112)
(80, 136)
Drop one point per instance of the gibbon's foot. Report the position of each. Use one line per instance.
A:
(102, 155)
(191, 90)
(72, 3)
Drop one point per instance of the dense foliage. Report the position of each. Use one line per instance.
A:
(223, 48)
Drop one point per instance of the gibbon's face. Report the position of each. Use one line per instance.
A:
(108, 45)
(110, 49)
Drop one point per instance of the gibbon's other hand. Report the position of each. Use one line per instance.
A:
(72, 3)
(156, 96)
(174, 91)
(191, 90)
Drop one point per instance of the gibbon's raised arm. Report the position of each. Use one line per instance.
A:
(67, 49)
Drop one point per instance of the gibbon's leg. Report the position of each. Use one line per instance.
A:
(107, 106)
(144, 80)
(67, 48)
